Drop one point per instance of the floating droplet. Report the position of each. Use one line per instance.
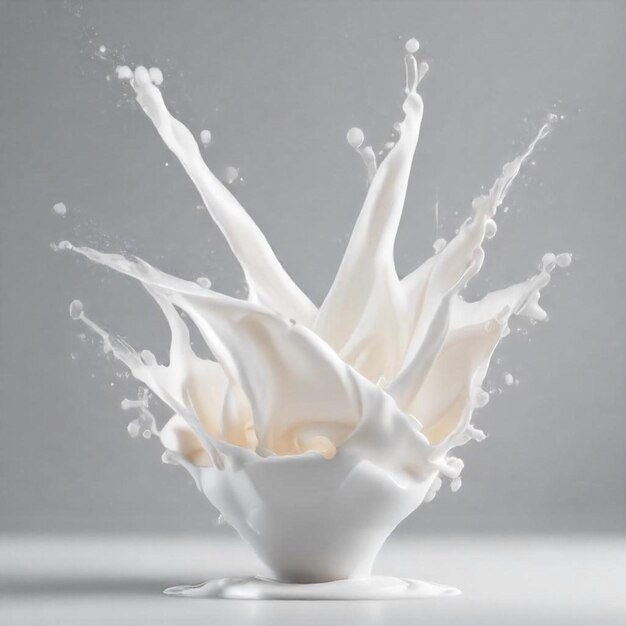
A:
(355, 137)
(205, 137)
(102, 49)
(59, 208)
(564, 259)
(76, 309)
(230, 174)
(412, 45)
(508, 379)
(455, 484)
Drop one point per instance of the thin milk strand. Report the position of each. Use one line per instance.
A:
(267, 280)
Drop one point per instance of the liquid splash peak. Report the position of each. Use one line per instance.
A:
(316, 430)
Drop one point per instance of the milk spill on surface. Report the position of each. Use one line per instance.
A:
(259, 588)
(315, 431)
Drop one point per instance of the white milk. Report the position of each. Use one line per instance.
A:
(317, 430)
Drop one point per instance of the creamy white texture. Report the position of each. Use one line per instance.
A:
(315, 431)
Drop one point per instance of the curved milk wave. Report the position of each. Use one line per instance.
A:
(315, 431)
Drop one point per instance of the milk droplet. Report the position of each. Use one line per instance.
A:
(156, 75)
(146, 434)
(439, 244)
(564, 259)
(123, 72)
(203, 281)
(230, 174)
(59, 208)
(133, 428)
(76, 309)
(355, 137)
(102, 49)
(412, 45)
(455, 484)
(491, 228)
(508, 379)
(205, 137)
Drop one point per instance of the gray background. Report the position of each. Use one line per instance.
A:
(278, 84)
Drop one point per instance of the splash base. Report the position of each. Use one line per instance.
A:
(259, 588)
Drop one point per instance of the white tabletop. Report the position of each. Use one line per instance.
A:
(100, 579)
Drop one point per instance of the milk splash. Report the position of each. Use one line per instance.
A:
(315, 431)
